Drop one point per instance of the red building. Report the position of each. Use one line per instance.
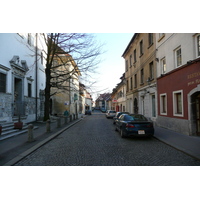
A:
(179, 99)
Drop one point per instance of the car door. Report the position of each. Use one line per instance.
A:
(119, 121)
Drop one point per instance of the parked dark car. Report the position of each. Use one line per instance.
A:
(88, 112)
(134, 125)
(117, 115)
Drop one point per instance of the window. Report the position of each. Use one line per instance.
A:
(178, 57)
(161, 35)
(198, 45)
(29, 90)
(153, 105)
(127, 86)
(2, 82)
(41, 58)
(131, 60)
(29, 39)
(178, 103)
(163, 104)
(142, 76)
(134, 54)
(135, 84)
(150, 39)
(151, 71)
(163, 66)
(141, 47)
(131, 84)
(126, 65)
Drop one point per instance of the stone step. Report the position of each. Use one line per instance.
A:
(15, 133)
(11, 129)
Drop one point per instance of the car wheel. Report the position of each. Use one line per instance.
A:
(116, 129)
(122, 133)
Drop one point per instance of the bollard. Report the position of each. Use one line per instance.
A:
(70, 118)
(66, 120)
(30, 133)
(48, 127)
(58, 122)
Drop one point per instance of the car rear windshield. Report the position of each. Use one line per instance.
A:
(112, 111)
(136, 118)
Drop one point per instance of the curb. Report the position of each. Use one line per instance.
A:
(32, 149)
(178, 148)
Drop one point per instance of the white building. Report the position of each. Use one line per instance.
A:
(178, 78)
(171, 45)
(22, 76)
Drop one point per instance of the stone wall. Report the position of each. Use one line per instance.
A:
(174, 124)
(5, 106)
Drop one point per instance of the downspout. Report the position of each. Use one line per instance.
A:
(36, 77)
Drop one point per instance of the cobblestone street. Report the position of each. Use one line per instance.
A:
(94, 142)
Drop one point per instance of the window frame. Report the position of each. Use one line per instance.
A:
(162, 66)
(151, 70)
(5, 82)
(175, 104)
(163, 106)
(130, 59)
(29, 39)
(177, 64)
(29, 89)
(142, 76)
(135, 55)
(150, 37)
(126, 63)
(141, 48)
(135, 80)
(198, 45)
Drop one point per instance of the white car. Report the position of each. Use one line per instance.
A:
(110, 113)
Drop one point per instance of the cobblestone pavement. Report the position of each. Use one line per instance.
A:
(94, 142)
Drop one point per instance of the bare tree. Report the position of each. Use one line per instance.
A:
(79, 49)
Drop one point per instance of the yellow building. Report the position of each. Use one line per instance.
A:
(140, 74)
(65, 90)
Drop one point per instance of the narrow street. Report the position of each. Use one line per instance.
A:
(94, 142)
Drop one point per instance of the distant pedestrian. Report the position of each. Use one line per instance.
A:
(66, 113)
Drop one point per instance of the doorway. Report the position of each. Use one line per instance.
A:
(197, 108)
(19, 108)
(195, 114)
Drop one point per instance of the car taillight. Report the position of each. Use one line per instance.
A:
(150, 125)
(130, 126)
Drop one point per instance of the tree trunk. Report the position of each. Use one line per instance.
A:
(47, 94)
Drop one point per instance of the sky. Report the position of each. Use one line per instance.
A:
(112, 66)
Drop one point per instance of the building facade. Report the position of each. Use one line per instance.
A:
(140, 75)
(178, 82)
(119, 96)
(22, 76)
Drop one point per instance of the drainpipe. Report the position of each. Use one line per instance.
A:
(36, 76)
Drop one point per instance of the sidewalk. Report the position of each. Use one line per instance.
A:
(15, 148)
(187, 144)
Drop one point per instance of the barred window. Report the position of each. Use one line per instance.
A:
(2, 82)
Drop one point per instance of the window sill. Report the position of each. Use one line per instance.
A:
(141, 55)
(150, 45)
(161, 38)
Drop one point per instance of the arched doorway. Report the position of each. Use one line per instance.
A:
(195, 114)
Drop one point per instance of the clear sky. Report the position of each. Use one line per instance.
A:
(112, 66)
